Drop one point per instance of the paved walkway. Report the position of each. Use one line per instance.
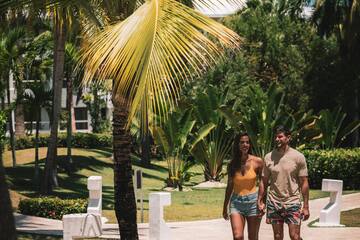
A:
(210, 229)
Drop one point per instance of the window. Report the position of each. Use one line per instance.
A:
(81, 114)
(81, 118)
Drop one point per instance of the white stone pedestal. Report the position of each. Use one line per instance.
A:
(95, 195)
(81, 225)
(158, 230)
(330, 214)
(86, 224)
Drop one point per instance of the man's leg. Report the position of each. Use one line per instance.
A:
(294, 231)
(237, 225)
(278, 230)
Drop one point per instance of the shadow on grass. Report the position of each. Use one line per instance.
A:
(152, 166)
(72, 184)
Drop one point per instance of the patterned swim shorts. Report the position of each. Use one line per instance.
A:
(278, 213)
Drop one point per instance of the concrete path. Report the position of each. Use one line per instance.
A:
(210, 229)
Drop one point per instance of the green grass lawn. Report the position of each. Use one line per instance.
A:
(351, 218)
(185, 206)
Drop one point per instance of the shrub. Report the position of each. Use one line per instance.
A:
(53, 208)
(79, 140)
(342, 164)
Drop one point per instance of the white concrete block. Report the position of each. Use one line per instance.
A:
(81, 225)
(330, 214)
(95, 195)
(158, 230)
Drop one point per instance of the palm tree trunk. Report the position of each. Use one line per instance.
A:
(19, 120)
(10, 117)
(125, 205)
(69, 106)
(50, 178)
(36, 175)
(145, 143)
(7, 223)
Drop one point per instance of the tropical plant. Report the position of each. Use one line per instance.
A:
(7, 222)
(11, 49)
(173, 136)
(72, 83)
(148, 55)
(342, 19)
(36, 97)
(95, 100)
(332, 129)
(213, 142)
(262, 113)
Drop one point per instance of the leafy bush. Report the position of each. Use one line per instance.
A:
(79, 140)
(53, 208)
(342, 164)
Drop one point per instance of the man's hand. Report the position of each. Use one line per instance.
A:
(261, 207)
(305, 213)
(225, 214)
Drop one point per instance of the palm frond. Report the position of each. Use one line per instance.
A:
(150, 53)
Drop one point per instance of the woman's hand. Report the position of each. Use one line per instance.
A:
(261, 206)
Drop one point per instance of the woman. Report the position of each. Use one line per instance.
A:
(243, 171)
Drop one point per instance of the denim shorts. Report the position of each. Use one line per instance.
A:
(246, 205)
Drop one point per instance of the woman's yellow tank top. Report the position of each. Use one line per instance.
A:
(245, 184)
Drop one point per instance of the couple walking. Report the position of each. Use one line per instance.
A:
(284, 171)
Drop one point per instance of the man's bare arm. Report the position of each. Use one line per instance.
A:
(304, 187)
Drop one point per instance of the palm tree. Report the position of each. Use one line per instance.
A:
(36, 97)
(11, 49)
(148, 55)
(7, 223)
(61, 13)
(71, 57)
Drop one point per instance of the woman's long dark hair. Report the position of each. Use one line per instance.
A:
(236, 162)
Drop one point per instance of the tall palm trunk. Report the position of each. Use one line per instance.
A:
(19, 120)
(125, 205)
(11, 120)
(7, 223)
(50, 178)
(69, 107)
(36, 175)
(145, 143)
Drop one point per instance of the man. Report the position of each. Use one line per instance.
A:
(285, 172)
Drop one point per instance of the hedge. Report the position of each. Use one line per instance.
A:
(79, 140)
(342, 164)
(53, 208)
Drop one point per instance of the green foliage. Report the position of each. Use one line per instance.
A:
(330, 124)
(79, 140)
(172, 136)
(54, 208)
(3, 118)
(95, 101)
(342, 164)
(212, 142)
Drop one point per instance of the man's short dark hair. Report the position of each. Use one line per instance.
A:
(282, 129)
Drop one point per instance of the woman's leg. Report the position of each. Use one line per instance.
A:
(253, 227)
(237, 225)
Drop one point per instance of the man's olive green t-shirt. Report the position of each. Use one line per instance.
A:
(283, 171)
